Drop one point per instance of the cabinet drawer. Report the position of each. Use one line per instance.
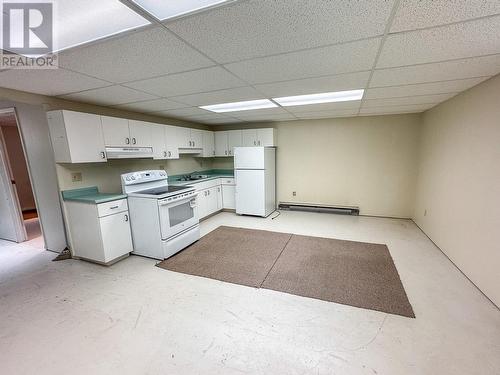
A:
(227, 181)
(109, 208)
(205, 184)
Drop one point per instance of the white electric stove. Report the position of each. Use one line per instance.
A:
(164, 219)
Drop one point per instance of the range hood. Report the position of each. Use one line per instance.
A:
(190, 151)
(129, 152)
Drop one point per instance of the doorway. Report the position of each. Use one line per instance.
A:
(19, 219)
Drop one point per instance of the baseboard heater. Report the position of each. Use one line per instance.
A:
(341, 210)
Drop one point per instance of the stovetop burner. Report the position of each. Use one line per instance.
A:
(163, 190)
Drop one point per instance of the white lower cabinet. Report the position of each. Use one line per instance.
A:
(228, 197)
(211, 198)
(99, 232)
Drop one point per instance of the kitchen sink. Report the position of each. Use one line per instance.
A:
(193, 177)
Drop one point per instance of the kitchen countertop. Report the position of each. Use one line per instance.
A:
(212, 174)
(90, 195)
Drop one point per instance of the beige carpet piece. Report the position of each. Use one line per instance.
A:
(236, 255)
(347, 272)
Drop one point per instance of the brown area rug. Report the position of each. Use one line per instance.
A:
(347, 272)
(236, 255)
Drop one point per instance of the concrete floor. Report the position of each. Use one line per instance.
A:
(73, 317)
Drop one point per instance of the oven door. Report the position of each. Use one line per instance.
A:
(177, 216)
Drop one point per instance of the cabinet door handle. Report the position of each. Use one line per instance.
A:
(103, 155)
(134, 141)
(126, 217)
(127, 141)
(226, 152)
(258, 143)
(194, 143)
(165, 153)
(169, 153)
(209, 192)
(255, 143)
(213, 152)
(230, 152)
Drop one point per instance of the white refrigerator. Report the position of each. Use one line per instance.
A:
(255, 174)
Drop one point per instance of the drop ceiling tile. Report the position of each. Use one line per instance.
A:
(185, 112)
(349, 81)
(112, 95)
(328, 114)
(396, 109)
(220, 96)
(197, 81)
(134, 56)
(49, 82)
(324, 107)
(276, 111)
(475, 38)
(345, 58)
(156, 105)
(220, 121)
(229, 121)
(262, 27)
(270, 117)
(422, 88)
(413, 14)
(444, 71)
(424, 99)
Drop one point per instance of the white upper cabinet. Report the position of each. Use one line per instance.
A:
(140, 133)
(119, 132)
(226, 141)
(266, 137)
(172, 134)
(190, 138)
(208, 144)
(184, 137)
(233, 140)
(159, 141)
(196, 138)
(164, 140)
(258, 137)
(221, 148)
(249, 137)
(76, 137)
(116, 131)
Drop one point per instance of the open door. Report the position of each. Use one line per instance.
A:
(11, 219)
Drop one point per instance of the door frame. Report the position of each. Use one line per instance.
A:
(6, 174)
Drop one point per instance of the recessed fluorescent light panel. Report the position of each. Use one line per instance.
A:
(166, 9)
(240, 106)
(81, 21)
(325, 97)
(78, 22)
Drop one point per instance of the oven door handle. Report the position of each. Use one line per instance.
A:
(192, 203)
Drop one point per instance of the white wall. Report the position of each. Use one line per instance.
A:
(458, 193)
(370, 162)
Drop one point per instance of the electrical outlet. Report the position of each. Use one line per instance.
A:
(76, 177)
(294, 193)
(161, 167)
